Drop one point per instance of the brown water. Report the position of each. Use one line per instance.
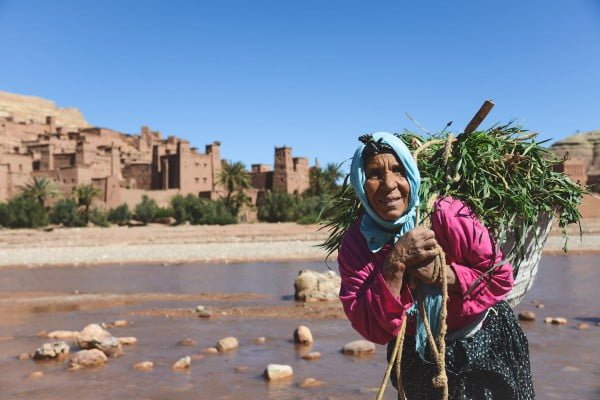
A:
(565, 361)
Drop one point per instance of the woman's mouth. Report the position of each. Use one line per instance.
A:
(390, 201)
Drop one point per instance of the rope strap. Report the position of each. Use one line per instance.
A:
(437, 348)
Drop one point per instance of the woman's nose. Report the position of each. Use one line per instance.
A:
(389, 181)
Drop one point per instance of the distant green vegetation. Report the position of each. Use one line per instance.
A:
(198, 211)
(306, 208)
(30, 209)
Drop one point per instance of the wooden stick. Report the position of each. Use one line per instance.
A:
(478, 118)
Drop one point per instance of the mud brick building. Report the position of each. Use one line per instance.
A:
(582, 154)
(39, 139)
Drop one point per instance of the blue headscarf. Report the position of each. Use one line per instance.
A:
(377, 231)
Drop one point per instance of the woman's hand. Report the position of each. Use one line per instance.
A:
(415, 249)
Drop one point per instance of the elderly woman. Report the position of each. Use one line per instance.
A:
(487, 355)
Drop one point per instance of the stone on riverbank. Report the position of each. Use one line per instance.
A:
(51, 351)
(311, 285)
(359, 348)
(260, 340)
(87, 359)
(227, 344)
(275, 372)
(303, 335)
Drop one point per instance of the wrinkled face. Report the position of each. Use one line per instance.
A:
(386, 186)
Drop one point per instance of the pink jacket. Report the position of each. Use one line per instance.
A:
(377, 314)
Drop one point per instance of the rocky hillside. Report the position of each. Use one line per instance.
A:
(584, 146)
(35, 109)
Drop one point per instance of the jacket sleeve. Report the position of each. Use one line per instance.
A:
(471, 252)
(368, 303)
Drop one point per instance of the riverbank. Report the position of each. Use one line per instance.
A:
(160, 244)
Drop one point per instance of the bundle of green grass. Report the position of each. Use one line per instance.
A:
(507, 178)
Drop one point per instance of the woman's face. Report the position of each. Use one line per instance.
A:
(386, 186)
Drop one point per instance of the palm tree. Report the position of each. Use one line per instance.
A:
(316, 181)
(41, 188)
(234, 178)
(331, 176)
(324, 181)
(84, 195)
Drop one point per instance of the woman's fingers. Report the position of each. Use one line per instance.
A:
(430, 244)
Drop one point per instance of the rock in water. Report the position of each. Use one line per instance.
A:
(48, 351)
(183, 364)
(94, 336)
(127, 341)
(63, 334)
(527, 316)
(313, 355)
(311, 285)
(276, 372)
(359, 348)
(311, 383)
(187, 342)
(555, 320)
(227, 344)
(87, 358)
(144, 366)
(303, 335)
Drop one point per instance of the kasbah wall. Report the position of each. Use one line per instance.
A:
(39, 139)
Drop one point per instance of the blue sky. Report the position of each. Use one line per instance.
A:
(313, 75)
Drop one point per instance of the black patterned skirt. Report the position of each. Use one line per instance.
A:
(491, 364)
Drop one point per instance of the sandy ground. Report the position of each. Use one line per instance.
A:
(159, 244)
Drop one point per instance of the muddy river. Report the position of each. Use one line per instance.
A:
(250, 301)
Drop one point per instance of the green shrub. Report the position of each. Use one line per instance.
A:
(25, 212)
(145, 210)
(216, 213)
(99, 218)
(119, 215)
(163, 212)
(4, 215)
(200, 211)
(278, 207)
(65, 212)
(178, 205)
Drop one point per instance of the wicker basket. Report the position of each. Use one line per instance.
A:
(529, 261)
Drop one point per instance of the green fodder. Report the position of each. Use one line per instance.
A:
(505, 176)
